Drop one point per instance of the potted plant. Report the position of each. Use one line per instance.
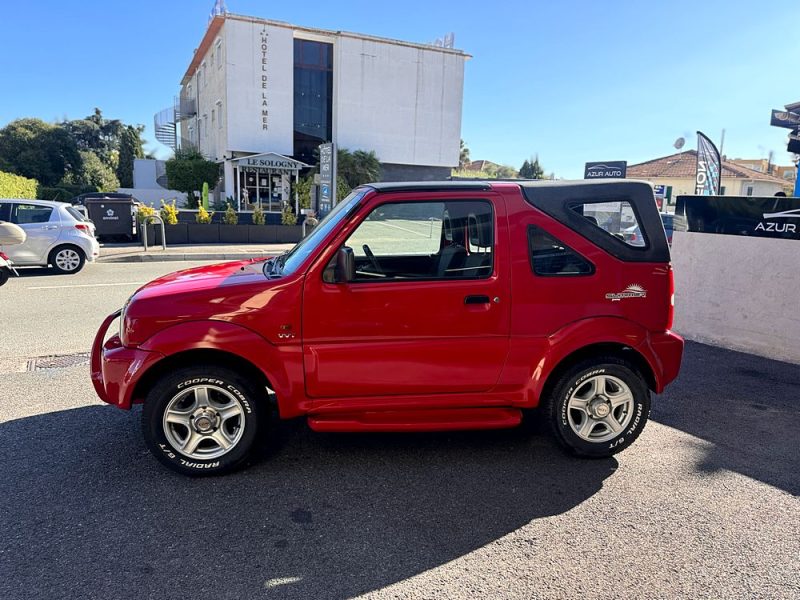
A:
(259, 232)
(230, 231)
(203, 231)
(176, 232)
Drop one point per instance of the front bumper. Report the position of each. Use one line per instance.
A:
(115, 368)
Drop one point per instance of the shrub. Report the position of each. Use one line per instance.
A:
(258, 216)
(169, 213)
(16, 186)
(287, 216)
(203, 216)
(230, 217)
(144, 213)
(54, 193)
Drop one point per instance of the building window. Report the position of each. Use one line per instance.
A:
(313, 97)
(749, 190)
(722, 190)
(218, 51)
(205, 126)
(213, 117)
(203, 73)
(219, 114)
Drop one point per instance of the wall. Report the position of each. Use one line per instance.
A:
(153, 197)
(403, 102)
(245, 65)
(684, 186)
(738, 292)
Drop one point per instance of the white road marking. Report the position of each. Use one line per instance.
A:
(84, 285)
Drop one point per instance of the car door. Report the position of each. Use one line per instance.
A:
(428, 310)
(42, 226)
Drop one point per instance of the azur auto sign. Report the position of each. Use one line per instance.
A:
(611, 169)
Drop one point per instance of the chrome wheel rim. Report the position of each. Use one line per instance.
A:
(600, 408)
(204, 422)
(67, 259)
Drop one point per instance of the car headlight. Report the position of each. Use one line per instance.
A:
(122, 322)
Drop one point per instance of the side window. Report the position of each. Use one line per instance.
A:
(23, 214)
(5, 210)
(551, 257)
(425, 240)
(615, 218)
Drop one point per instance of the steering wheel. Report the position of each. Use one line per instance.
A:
(373, 261)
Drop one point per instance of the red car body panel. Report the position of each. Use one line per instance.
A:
(406, 356)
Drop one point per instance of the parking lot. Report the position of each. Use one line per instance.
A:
(705, 504)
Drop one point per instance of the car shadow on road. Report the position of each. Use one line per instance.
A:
(748, 407)
(87, 512)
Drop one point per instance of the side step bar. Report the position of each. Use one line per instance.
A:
(418, 420)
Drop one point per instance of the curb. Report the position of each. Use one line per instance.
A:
(175, 257)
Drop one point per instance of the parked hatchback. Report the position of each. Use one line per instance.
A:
(58, 235)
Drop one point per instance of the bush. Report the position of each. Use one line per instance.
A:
(169, 213)
(16, 186)
(54, 193)
(258, 216)
(188, 171)
(203, 216)
(287, 216)
(230, 217)
(144, 213)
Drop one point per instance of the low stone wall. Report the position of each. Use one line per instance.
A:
(738, 292)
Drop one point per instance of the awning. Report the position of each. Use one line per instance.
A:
(270, 161)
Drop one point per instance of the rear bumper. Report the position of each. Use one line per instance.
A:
(115, 368)
(664, 352)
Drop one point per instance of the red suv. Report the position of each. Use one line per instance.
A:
(411, 307)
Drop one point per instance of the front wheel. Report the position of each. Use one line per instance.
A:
(201, 420)
(598, 407)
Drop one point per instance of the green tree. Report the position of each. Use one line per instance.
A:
(188, 170)
(463, 155)
(38, 150)
(357, 168)
(505, 172)
(93, 173)
(130, 148)
(531, 169)
(101, 136)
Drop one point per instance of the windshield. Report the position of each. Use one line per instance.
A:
(289, 262)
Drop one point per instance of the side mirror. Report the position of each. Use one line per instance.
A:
(344, 266)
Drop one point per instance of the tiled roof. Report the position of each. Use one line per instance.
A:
(684, 164)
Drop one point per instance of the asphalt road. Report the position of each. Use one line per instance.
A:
(705, 504)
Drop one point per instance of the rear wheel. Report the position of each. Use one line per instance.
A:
(67, 259)
(4, 275)
(598, 407)
(202, 420)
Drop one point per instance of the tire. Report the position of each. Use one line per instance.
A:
(195, 400)
(598, 407)
(67, 260)
(4, 275)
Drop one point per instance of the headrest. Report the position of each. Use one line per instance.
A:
(480, 230)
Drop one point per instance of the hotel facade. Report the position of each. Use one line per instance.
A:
(260, 96)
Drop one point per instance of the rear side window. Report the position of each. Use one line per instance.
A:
(551, 257)
(76, 214)
(617, 219)
(4, 211)
(23, 214)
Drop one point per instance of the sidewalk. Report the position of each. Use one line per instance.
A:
(117, 253)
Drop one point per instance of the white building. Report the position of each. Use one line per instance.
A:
(259, 87)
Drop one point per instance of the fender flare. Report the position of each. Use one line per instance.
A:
(580, 335)
(278, 363)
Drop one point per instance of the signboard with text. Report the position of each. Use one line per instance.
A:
(771, 216)
(610, 169)
(327, 178)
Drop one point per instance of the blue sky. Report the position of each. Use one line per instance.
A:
(571, 81)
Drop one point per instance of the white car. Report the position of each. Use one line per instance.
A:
(58, 235)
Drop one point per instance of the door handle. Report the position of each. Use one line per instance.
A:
(49, 226)
(476, 300)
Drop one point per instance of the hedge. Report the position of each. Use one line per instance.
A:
(15, 186)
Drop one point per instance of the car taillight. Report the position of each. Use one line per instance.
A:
(3, 255)
(83, 227)
(671, 310)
